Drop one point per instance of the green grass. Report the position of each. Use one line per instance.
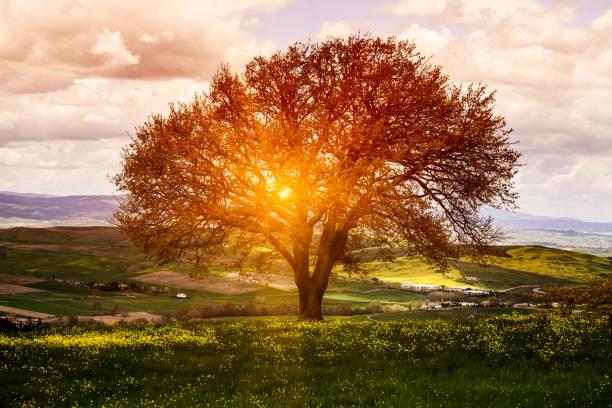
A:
(96, 236)
(65, 265)
(501, 362)
(495, 277)
(556, 263)
(113, 261)
(530, 264)
(381, 295)
(411, 269)
(447, 314)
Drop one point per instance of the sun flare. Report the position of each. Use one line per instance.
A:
(284, 193)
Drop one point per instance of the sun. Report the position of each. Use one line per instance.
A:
(284, 193)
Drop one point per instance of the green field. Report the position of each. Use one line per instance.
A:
(507, 361)
(101, 254)
(557, 263)
(528, 264)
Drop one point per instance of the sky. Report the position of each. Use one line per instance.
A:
(77, 77)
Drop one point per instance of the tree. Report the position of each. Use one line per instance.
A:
(309, 151)
(596, 295)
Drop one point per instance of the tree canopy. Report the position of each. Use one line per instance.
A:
(312, 147)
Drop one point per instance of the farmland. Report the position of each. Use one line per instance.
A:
(50, 258)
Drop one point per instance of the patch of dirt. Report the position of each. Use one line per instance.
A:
(283, 282)
(24, 312)
(18, 279)
(11, 289)
(182, 281)
(125, 317)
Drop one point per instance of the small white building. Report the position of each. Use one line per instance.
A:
(477, 292)
(457, 288)
(181, 295)
(472, 278)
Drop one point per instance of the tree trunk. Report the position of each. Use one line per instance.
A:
(312, 288)
(310, 305)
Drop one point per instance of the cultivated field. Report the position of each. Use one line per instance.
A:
(41, 265)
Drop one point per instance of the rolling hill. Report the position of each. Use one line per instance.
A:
(38, 209)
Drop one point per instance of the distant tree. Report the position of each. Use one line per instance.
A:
(596, 296)
(313, 149)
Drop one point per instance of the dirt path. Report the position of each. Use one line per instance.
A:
(282, 282)
(24, 312)
(371, 290)
(12, 289)
(183, 281)
(18, 279)
(124, 317)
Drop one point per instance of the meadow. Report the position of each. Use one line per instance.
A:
(507, 361)
(102, 254)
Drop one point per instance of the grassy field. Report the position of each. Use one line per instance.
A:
(557, 263)
(529, 264)
(101, 254)
(502, 362)
(458, 313)
(65, 264)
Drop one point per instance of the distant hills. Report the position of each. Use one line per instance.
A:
(521, 221)
(19, 209)
(29, 209)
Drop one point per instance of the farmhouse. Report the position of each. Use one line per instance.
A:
(181, 295)
(457, 288)
(475, 292)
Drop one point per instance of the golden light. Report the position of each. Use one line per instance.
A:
(284, 193)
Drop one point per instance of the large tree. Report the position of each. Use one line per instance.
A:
(311, 147)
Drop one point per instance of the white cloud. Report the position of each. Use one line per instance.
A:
(147, 38)
(603, 22)
(110, 44)
(415, 7)
(428, 41)
(335, 29)
(60, 167)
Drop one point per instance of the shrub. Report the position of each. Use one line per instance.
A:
(375, 307)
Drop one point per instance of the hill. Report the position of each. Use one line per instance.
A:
(34, 209)
(65, 262)
(29, 209)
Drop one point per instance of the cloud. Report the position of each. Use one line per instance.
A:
(554, 86)
(462, 11)
(110, 45)
(428, 41)
(62, 167)
(139, 39)
(89, 109)
(415, 7)
(335, 29)
(603, 22)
